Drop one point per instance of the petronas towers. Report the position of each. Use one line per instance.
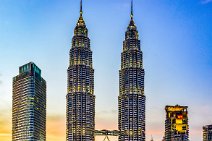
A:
(80, 106)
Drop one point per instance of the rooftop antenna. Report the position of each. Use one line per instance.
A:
(81, 8)
(131, 14)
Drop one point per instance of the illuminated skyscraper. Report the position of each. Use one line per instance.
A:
(80, 108)
(29, 105)
(207, 133)
(131, 87)
(176, 124)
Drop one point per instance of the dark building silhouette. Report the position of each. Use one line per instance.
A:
(207, 133)
(80, 108)
(131, 98)
(29, 105)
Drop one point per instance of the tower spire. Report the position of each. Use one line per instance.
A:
(80, 23)
(131, 14)
(81, 8)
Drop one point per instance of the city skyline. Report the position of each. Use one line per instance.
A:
(187, 81)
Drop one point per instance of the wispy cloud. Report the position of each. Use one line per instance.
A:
(206, 1)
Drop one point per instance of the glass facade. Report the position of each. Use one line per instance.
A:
(131, 88)
(29, 105)
(176, 124)
(207, 133)
(80, 108)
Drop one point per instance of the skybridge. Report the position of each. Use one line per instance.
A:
(106, 134)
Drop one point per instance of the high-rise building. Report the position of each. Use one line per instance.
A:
(80, 108)
(131, 98)
(29, 105)
(176, 124)
(207, 133)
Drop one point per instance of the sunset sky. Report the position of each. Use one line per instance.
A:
(176, 40)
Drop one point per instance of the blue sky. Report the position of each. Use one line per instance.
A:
(176, 37)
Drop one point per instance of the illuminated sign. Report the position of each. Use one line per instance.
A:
(180, 116)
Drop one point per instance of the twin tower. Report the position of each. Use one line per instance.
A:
(80, 107)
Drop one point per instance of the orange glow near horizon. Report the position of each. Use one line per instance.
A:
(56, 128)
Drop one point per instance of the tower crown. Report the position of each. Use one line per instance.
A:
(81, 29)
(132, 32)
(132, 23)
